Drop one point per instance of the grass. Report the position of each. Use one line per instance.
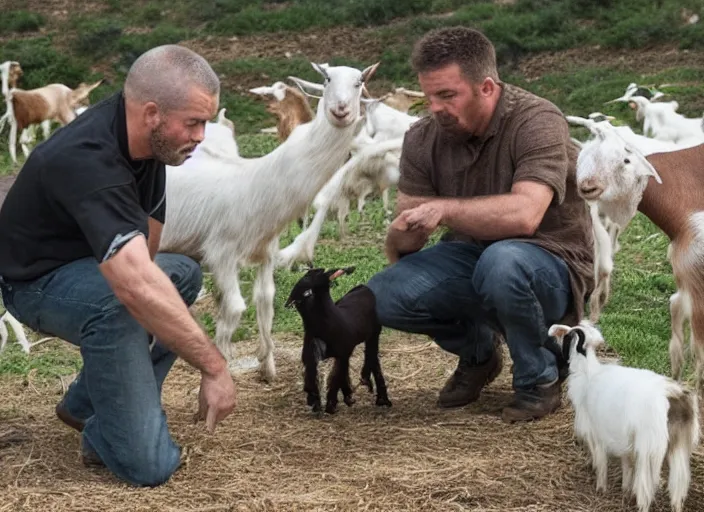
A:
(635, 322)
(105, 40)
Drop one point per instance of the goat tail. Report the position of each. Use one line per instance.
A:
(683, 430)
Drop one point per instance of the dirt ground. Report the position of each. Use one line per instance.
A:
(272, 453)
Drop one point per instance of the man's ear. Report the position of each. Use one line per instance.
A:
(151, 114)
(488, 87)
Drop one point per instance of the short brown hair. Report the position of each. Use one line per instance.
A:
(467, 47)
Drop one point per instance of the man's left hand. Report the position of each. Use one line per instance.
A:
(425, 217)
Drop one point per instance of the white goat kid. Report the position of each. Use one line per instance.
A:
(231, 215)
(617, 175)
(631, 413)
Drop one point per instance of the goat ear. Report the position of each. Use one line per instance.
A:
(646, 168)
(303, 85)
(264, 90)
(322, 69)
(336, 274)
(558, 330)
(369, 72)
(279, 89)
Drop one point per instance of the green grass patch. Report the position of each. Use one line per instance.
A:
(20, 21)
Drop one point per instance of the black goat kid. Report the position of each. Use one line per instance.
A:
(333, 329)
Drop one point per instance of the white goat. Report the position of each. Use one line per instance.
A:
(631, 413)
(634, 89)
(383, 123)
(231, 215)
(219, 142)
(301, 249)
(616, 174)
(662, 122)
(382, 171)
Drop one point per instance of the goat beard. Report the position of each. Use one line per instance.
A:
(164, 150)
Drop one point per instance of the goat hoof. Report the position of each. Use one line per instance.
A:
(331, 408)
(383, 401)
(367, 383)
(349, 400)
(315, 407)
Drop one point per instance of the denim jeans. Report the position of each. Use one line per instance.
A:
(118, 391)
(460, 293)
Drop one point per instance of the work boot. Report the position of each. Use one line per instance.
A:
(89, 457)
(63, 414)
(533, 404)
(466, 383)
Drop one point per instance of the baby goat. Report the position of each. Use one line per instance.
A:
(333, 329)
(632, 413)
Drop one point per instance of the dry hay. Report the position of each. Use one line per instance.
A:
(273, 454)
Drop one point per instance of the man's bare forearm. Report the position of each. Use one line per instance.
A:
(155, 228)
(488, 218)
(153, 300)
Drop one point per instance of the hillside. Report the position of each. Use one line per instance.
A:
(577, 53)
(272, 453)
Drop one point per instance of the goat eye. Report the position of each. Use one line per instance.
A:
(626, 161)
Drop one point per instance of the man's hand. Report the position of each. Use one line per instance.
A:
(425, 217)
(216, 399)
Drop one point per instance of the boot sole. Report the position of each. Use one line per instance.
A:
(489, 379)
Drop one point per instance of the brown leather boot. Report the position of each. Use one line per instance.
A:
(63, 414)
(464, 386)
(533, 404)
(89, 458)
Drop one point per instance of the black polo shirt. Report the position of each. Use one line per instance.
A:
(79, 194)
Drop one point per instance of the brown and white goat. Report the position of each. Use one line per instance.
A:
(617, 174)
(288, 105)
(10, 73)
(53, 102)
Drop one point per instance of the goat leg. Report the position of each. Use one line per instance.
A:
(310, 378)
(333, 387)
(345, 384)
(371, 356)
(366, 376)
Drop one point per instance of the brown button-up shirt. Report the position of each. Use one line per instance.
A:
(527, 139)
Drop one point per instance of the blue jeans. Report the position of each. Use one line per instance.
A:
(459, 294)
(118, 391)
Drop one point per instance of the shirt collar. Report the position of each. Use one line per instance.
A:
(122, 139)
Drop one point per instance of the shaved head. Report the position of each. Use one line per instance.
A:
(165, 75)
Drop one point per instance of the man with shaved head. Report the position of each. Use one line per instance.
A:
(79, 232)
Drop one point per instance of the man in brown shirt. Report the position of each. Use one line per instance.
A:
(494, 165)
